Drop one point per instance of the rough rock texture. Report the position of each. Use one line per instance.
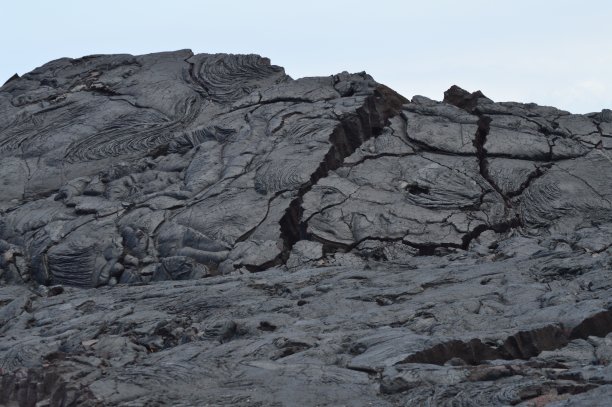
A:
(343, 245)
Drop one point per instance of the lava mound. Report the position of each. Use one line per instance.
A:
(340, 244)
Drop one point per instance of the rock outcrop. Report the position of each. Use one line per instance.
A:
(342, 245)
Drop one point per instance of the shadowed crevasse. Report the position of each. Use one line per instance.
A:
(368, 122)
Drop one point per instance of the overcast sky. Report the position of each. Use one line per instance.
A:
(549, 52)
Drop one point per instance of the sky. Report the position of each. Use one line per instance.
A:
(556, 53)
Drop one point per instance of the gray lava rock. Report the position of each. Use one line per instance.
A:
(342, 245)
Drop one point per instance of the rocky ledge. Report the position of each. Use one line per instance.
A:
(337, 243)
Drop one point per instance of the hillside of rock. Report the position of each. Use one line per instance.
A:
(180, 229)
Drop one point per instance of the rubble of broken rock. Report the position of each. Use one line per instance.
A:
(180, 229)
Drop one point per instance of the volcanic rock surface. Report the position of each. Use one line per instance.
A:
(337, 243)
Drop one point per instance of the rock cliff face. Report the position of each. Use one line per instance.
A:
(343, 245)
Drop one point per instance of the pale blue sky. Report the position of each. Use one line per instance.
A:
(549, 52)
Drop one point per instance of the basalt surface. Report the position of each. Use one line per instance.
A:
(180, 229)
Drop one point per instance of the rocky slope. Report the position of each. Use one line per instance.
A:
(342, 245)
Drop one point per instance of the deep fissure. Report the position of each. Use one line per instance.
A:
(522, 345)
(369, 121)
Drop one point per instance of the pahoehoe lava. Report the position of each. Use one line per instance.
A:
(180, 229)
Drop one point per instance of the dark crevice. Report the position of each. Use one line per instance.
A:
(102, 90)
(539, 171)
(376, 156)
(551, 144)
(480, 138)
(426, 147)
(424, 249)
(431, 249)
(344, 140)
(369, 121)
(522, 345)
(501, 227)
(469, 102)
(416, 189)
(430, 149)
(292, 100)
